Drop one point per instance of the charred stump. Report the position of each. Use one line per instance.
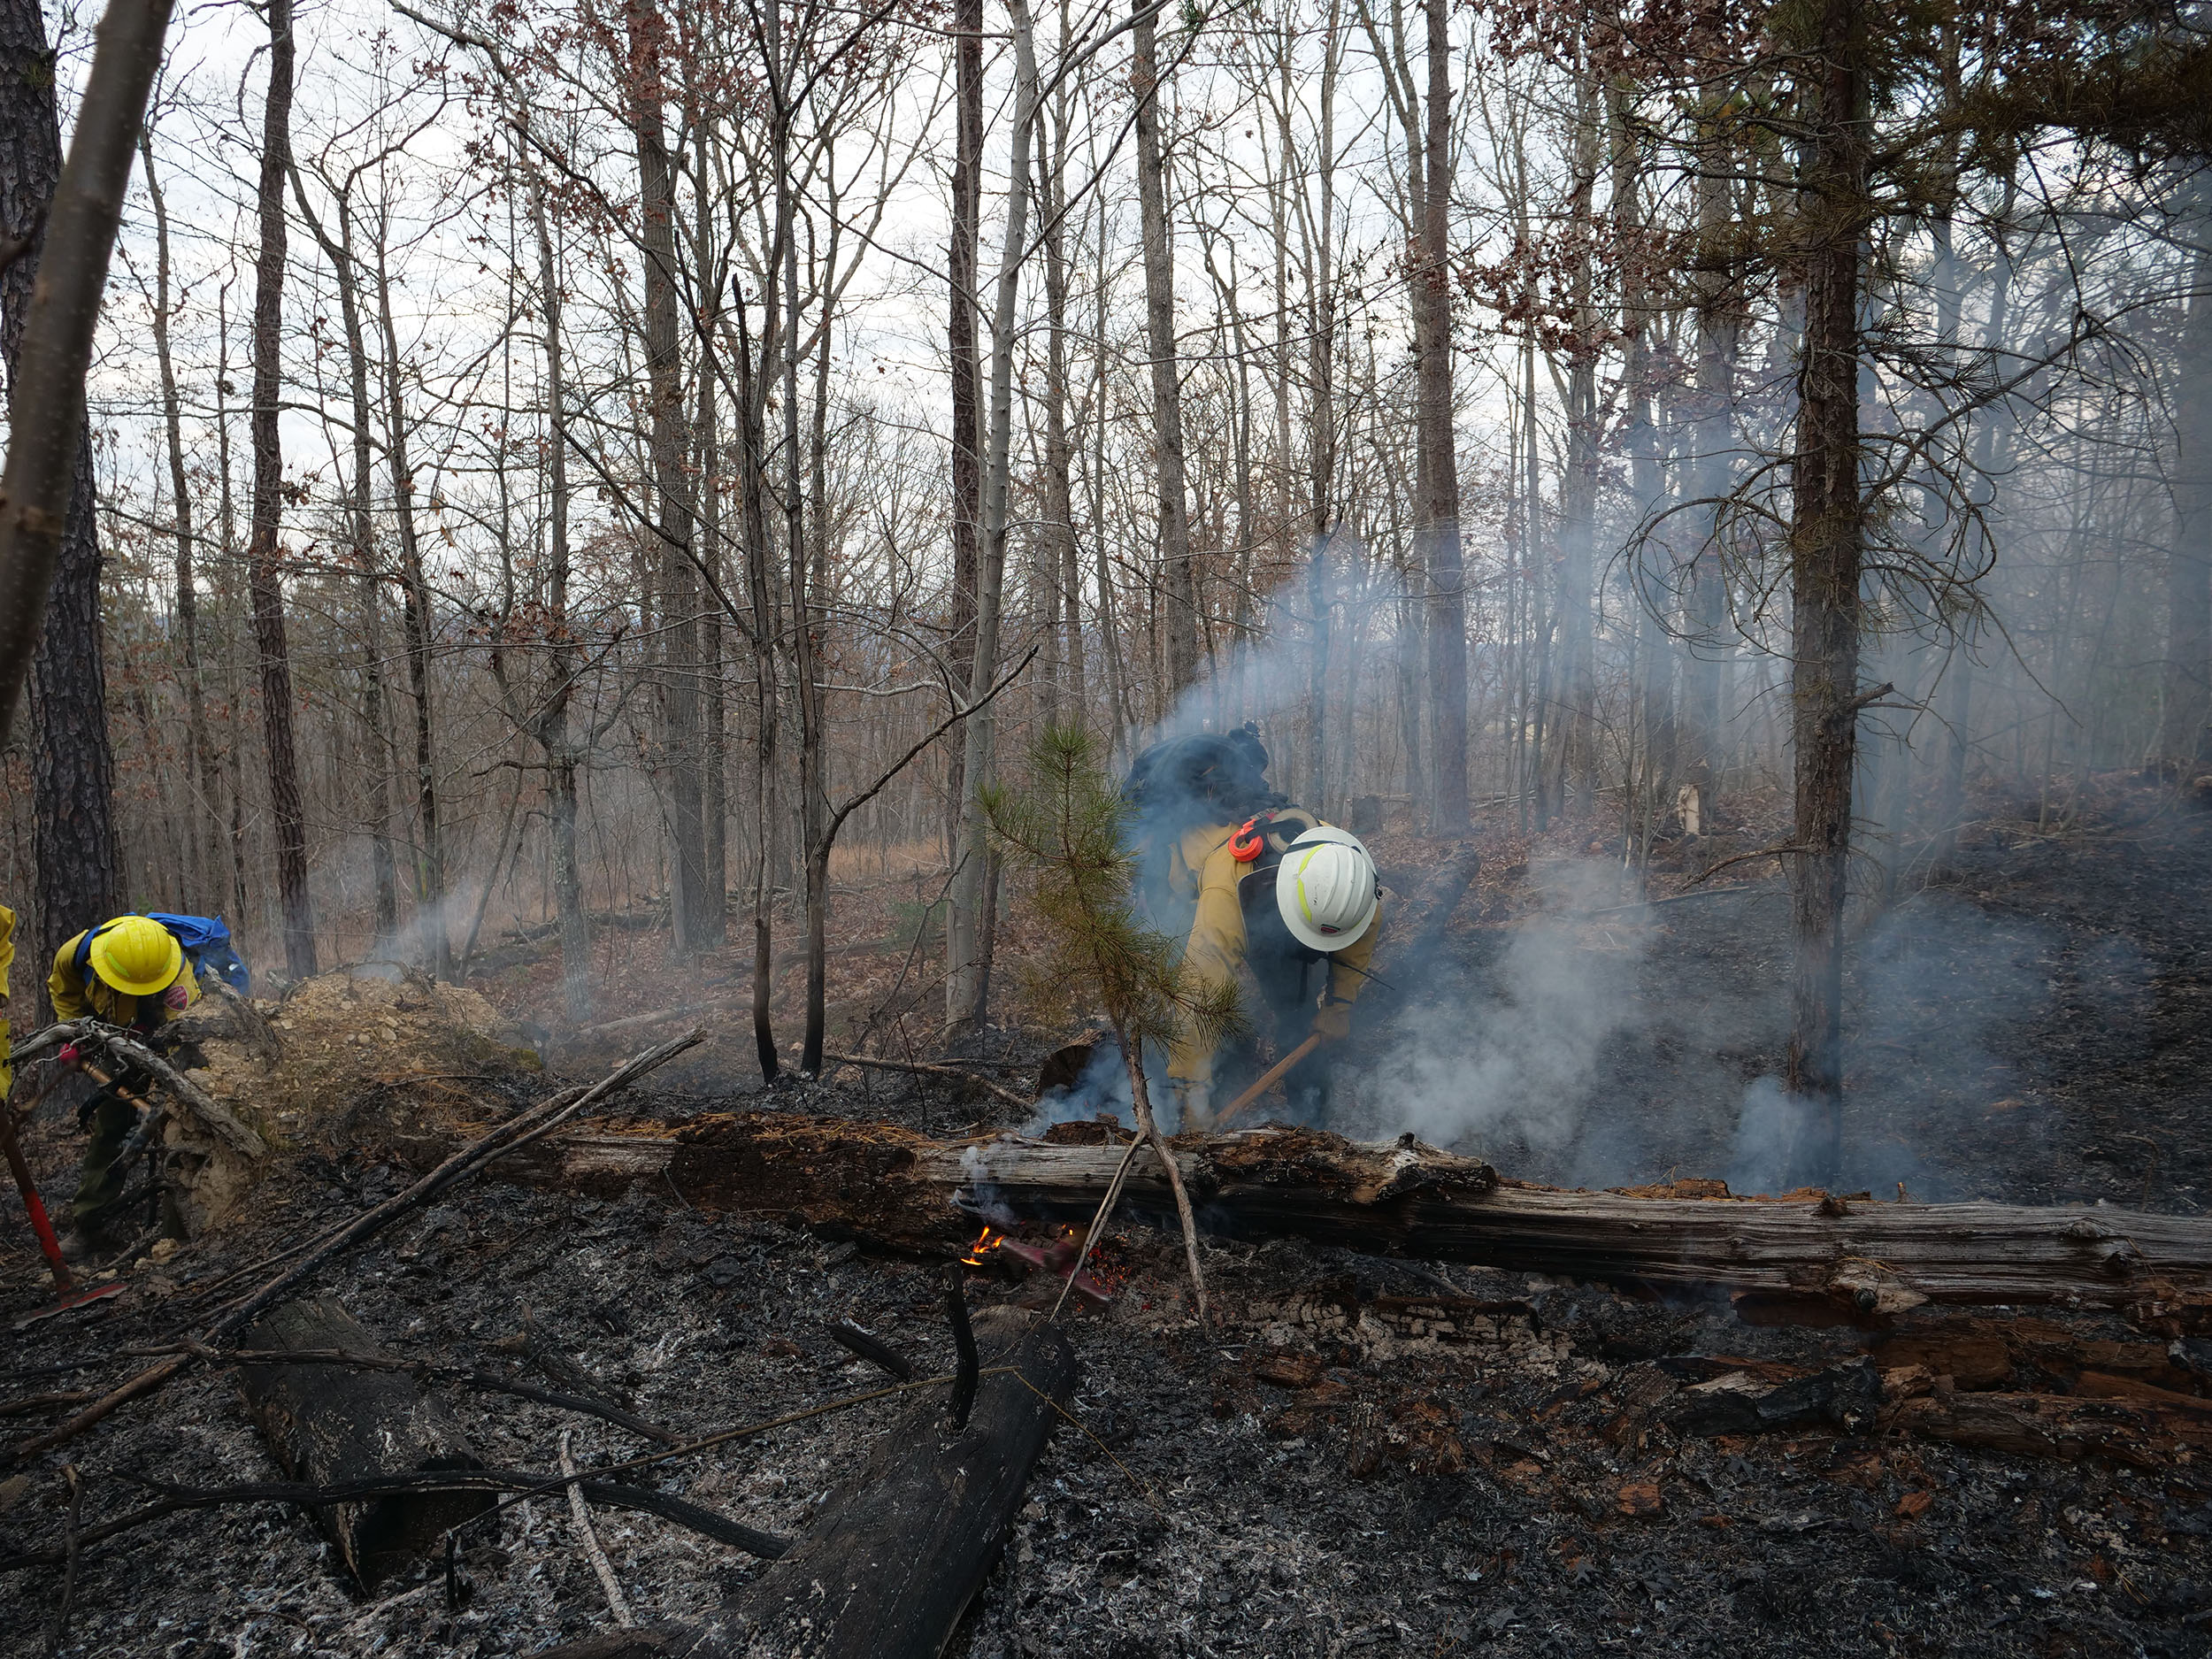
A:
(328, 1423)
(901, 1547)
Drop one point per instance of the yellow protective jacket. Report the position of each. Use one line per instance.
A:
(76, 992)
(1202, 865)
(7, 961)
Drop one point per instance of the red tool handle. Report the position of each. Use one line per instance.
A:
(40, 1225)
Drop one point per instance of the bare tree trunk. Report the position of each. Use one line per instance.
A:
(1647, 481)
(562, 660)
(1712, 439)
(1826, 544)
(1167, 401)
(1579, 489)
(714, 751)
(1059, 551)
(671, 489)
(262, 555)
(967, 394)
(416, 619)
(203, 831)
(969, 964)
(2187, 677)
(345, 270)
(1439, 461)
(759, 583)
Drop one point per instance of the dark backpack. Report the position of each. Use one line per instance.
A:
(206, 943)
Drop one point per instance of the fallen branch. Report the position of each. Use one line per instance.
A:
(926, 1068)
(606, 1494)
(1712, 869)
(216, 1118)
(580, 1513)
(520, 1131)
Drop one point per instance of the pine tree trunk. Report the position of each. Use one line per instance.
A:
(1827, 546)
(77, 876)
(263, 554)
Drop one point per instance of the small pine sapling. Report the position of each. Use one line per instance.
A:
(1069, 826)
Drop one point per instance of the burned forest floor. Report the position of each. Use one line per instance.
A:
(1360, 1453)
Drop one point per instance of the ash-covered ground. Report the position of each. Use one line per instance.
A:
(1324, 1471)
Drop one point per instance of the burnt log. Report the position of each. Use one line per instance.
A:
(330, 1422)
(1814, 1257)
(905, 1545)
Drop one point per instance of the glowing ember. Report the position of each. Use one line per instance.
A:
(985, 1241)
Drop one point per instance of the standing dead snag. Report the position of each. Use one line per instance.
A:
(328, 1423)
(902, 1546)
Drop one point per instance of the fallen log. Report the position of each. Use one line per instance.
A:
(2064, 1428)
(328, 1423)
(901, 1547)
(1841, 1261)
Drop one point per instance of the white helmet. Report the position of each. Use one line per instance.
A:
(1326, 889)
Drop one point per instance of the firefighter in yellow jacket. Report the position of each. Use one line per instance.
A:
(1297, 904)
(129, 971)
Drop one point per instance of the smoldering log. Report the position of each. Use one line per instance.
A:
(331, 1423)
(1806, 1257)
(905, 1545)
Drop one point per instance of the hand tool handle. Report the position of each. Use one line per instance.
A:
(1268, 1079)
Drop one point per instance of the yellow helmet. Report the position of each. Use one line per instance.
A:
(136, 955)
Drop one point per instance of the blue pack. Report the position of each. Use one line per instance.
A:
(207, 946)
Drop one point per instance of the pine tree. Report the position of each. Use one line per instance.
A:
(1070, 827)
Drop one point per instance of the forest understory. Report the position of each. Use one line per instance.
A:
(1361, 1452)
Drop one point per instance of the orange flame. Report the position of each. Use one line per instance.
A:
(985, 1241)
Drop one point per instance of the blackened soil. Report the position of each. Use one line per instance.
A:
(1312, 1480)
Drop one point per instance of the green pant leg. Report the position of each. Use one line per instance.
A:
(103, 1176)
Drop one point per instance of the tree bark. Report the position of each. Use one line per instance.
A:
(904, 1547)
(966, 366)
(694, 928)
(264, 577)
(1181, 618)
(330, 1423)
(49, 550)
(1826, 543)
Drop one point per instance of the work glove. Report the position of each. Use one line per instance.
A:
(68, 1057)
(1331, 1019)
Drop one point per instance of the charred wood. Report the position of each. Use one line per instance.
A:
(904, 1547)
(1828, 1261)
(328, 1423)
